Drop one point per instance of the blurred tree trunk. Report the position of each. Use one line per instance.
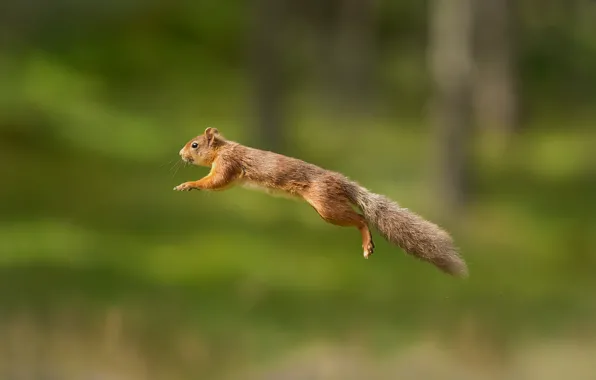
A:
(496, 82)
(354, 54)
(451, 62)
(324, 15)
(267, 65)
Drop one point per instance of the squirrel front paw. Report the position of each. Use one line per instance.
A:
(186, 186)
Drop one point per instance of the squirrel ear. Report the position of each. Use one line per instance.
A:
(210, 133)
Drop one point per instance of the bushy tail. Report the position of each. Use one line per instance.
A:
(409, 231)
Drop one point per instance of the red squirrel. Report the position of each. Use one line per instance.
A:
(331, 194)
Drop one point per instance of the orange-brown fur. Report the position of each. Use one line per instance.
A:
(331, 194)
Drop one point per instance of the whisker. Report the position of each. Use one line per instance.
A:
(178, 162)
(176, 167)
(173, 166)
(166, 163)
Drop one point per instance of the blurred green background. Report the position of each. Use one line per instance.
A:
(477, 114)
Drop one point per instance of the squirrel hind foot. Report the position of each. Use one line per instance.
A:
(368, 249)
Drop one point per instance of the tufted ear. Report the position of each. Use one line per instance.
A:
(211, 134)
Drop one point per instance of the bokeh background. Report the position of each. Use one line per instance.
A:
(480, 115)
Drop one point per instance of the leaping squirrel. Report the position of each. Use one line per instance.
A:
(330, 193)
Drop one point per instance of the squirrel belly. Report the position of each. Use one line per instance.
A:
(251, 185)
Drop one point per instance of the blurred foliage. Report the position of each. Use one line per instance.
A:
(97, 99)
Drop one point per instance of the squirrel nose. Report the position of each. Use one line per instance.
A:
(181, 152)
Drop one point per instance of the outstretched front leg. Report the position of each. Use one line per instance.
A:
(219, 178)
(339, 211)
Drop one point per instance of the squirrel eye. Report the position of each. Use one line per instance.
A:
(194, 145)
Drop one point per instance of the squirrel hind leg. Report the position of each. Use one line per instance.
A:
(341, 213)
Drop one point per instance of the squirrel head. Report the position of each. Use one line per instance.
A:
(202, 150)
